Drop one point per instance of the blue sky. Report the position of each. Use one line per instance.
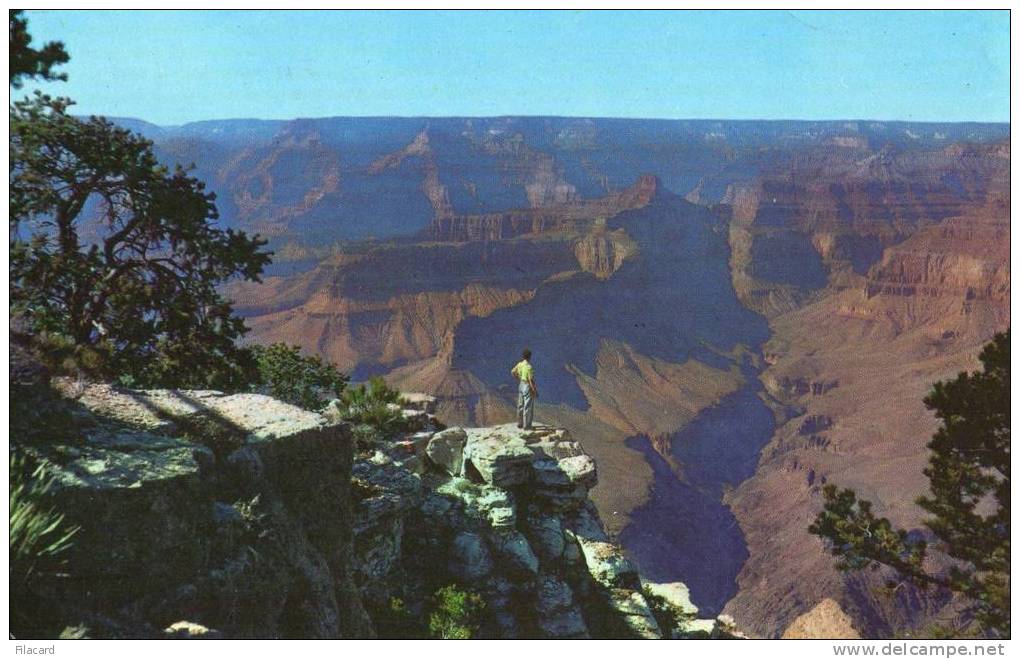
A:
(178, 66)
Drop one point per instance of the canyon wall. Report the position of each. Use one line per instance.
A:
(853, 363)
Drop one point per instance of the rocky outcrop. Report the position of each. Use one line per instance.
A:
(877, 258)
(503, 512)
(603, 252)
(277, 529)
(540, 218)
(230, 512)
(827, 216)
(826, 620)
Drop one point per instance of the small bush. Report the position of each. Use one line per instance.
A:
(366, 437)
(308, 382)
(369, 403)
(252, 516)
(456, 614)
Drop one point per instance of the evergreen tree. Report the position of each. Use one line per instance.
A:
(969, 472)
(27, 62)
(116, 261)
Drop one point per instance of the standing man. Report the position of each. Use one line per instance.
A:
(527, 392)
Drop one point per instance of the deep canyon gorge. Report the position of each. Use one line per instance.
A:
(726, 314)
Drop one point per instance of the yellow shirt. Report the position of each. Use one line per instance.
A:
(523, 371)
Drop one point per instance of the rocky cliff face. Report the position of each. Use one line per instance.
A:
(204, 514)
(308, 183)
(853, 367)
(632, 318)
(506, 513)
(541, 217)
(231, 512)
(825, 216)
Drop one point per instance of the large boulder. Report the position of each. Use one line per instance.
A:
(498, 458)
(446, 450)
(470, 558)
(513, 550)
(153, 470)
(144, 489)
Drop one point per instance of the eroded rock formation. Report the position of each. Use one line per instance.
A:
(506, 512)
(205, 515)
(876, 252)
(853, 367)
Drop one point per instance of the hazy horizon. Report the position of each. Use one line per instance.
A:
(870, 120)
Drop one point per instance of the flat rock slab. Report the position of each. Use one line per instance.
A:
(498, 459)
(675, 593)
(255, 416)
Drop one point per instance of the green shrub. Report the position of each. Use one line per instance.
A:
(38, 534)
(308, 382)
(369, 403)
(968, 500)
(456, 613)
(366, 437)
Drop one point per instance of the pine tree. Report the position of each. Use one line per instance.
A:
(969, 473)
(116, 260)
